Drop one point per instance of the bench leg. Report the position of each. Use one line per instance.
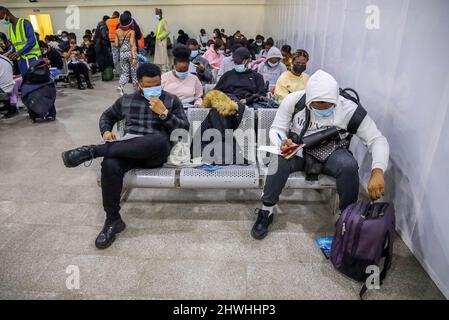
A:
(334, 201)
(125, 195)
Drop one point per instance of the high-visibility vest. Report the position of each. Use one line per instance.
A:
(160, 33)
(141, 42)
(19, 40)
(112, 28)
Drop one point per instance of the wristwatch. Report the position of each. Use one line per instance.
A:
(163, 115)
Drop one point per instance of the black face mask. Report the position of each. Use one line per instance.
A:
(299, 68)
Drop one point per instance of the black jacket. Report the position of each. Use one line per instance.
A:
(247, 85)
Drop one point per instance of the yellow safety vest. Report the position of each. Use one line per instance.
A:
(19, 40)
(160, 35)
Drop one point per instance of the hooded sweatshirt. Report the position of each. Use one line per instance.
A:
(323, 87)
(272, 74)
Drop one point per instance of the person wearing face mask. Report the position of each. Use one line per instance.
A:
(324, 108)
(180, 81)
(23, 38)
(53, 58)
(272, 68)
(76, 62)
(199, 66)
(296, 79)
(215, 54)
(150, 115)
(257, 46)
(228, 63)
(242, 82)
(162, 33)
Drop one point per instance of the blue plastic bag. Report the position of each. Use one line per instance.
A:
(325, 244)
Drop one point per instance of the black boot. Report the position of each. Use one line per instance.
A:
(260, 228)
(89, 84)
(73, 158)
(12, 112)
(81, 86)
(107, 234)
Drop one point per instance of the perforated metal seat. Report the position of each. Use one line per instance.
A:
(150, 178)
(229, 177)
(297, 180)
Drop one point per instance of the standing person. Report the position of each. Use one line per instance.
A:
(25, 45)
(112, 34)
(126, 42)
(103, 45)
(150, 113)
(162, 33)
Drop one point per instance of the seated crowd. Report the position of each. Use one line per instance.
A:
(244, 73)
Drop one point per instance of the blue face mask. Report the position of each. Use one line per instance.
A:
(324, 113)
(158, 17)
(273, 65)
(4, 21)
(194, 54)
(181, 75)
(240, 68)
(152, 92)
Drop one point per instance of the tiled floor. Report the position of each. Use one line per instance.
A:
(178, 244)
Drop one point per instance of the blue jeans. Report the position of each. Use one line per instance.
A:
(341, 165)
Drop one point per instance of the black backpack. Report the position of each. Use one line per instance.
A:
(313, 167)
(38, 72)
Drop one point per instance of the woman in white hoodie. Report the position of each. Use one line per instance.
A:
(327, 109)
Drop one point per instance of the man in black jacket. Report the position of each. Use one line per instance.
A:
(150, 116)
(242, 82)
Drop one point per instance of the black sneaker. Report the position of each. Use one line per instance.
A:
(5, 108)
(260, 228)
(12, 112)
(107, 234)
(75, 157)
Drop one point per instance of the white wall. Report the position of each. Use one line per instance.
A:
(246, 16)
(402, 74)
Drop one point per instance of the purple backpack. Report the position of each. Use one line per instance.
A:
(364, 234)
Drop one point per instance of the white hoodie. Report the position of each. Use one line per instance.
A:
(323, 87)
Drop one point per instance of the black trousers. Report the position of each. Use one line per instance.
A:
(80, 69)
(149, 151)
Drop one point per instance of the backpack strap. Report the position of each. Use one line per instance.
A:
(359, 114)
(300, 105)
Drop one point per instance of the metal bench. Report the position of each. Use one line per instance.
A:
(250, 176)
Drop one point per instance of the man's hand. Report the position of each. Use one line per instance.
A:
(14, 55)
(157, 106)
(108, 136)
(200, 68)
(287, 143)
(376, 185)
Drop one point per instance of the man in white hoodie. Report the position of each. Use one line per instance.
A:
(326, 109)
